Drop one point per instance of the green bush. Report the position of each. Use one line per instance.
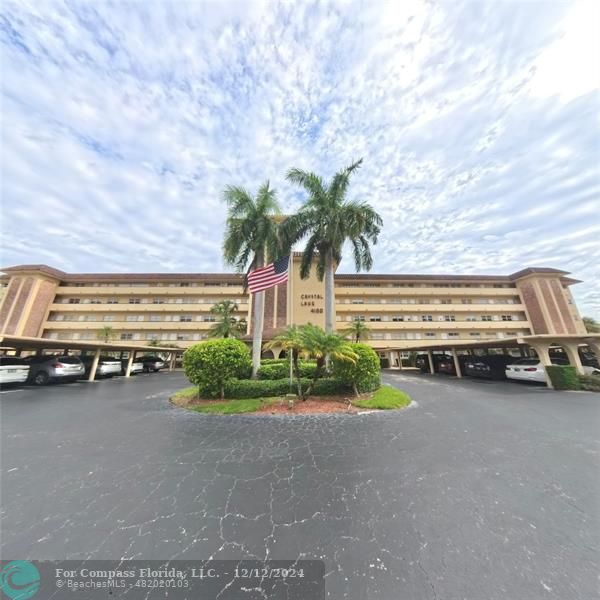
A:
(563, 377)
(274, 371)
(362, 376)
(590, 383)
(256, 388)
(210, 365)
(282, 370)
(273, 361)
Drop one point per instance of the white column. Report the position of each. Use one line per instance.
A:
(92, 374)
(430, 357)
(571, 351)
(456, 363)
(129, 363)
(544, 356)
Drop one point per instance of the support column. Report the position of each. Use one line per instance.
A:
(571, 351)
(430, 358)
(544, 356)
(400, 360)
(92, 374)
(456, 363)
(129, 363)
(172, 361)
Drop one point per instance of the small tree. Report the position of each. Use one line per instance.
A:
(359, 330)
(364, 373)
(211, 364)
(106, 333)
(312, 341)
(227, 325)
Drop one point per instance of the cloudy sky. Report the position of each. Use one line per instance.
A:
(478, 123)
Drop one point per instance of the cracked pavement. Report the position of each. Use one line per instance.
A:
(480, 491)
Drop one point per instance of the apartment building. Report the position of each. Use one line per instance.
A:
(41, 301)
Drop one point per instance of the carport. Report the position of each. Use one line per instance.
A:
(540, 343)
(20, 344)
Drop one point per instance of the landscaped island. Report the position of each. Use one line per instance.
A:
(329, 374)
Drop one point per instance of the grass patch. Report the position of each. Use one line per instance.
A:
(386, 397)
(190, 393)
(234, 407)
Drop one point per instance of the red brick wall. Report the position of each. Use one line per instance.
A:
(563, 307)
(534, 309)
(20, 302)
(9, 298)
(557, 324)
(268, 329)
(43, 299)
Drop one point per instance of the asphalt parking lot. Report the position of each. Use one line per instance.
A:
(480, 491)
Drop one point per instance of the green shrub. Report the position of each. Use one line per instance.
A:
(274, 371)
(257, 388)
(563, 377)
(362, 376)
(273, 361)
(210, 365)
(590, 383)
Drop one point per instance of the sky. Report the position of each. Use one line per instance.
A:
(478, 123)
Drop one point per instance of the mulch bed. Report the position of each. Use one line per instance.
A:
(313, 405)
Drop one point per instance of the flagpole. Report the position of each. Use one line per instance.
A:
(289, 299)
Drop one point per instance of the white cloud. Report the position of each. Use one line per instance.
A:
(124, 121)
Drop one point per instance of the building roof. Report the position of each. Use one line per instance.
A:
(238, 278)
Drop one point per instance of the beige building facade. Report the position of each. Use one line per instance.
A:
(401, 310)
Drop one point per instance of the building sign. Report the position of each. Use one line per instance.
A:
(313, 301)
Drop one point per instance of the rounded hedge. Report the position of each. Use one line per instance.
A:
(365, 374)
(210, 365)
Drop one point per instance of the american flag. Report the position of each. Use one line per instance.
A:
(270, 276)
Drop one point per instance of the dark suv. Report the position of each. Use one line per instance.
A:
(492, 366)
(422, 362)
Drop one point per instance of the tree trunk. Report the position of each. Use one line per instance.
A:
(259, 314)
(329, 294)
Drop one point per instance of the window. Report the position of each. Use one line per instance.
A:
(74, 300)
(486, 317)
(134, 300)
(209, 319)
(358, 301)
(375, 319)
(158, 301)
(507, 317)
(467, 301)
(446, 301)
(470, 318)
(181, 337)
(112, 301)
(185, 318)
(449, 318)
(155, 318)
(426, 318)
(424, 301)
(475, 334)
(127, 336)
(398, 319)
(184, 284)
(108, 318)
(90, 318)
(359, 318)
(429, 334)
(135, 318)
(453, 334)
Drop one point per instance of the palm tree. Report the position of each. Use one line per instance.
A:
(329, 220)
(359, 330)
(227, 325)
(250, 238)
(106, 334)
(312, 341)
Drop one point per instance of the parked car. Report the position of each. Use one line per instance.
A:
(531, 369)
(422, 362)
(137, 366)
(491, 366)
(44, 368)
(13, 369)
(107, 366)
(446, 365)
(152, 363)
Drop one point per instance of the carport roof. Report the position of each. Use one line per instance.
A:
(17, 342)
(501, 343)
